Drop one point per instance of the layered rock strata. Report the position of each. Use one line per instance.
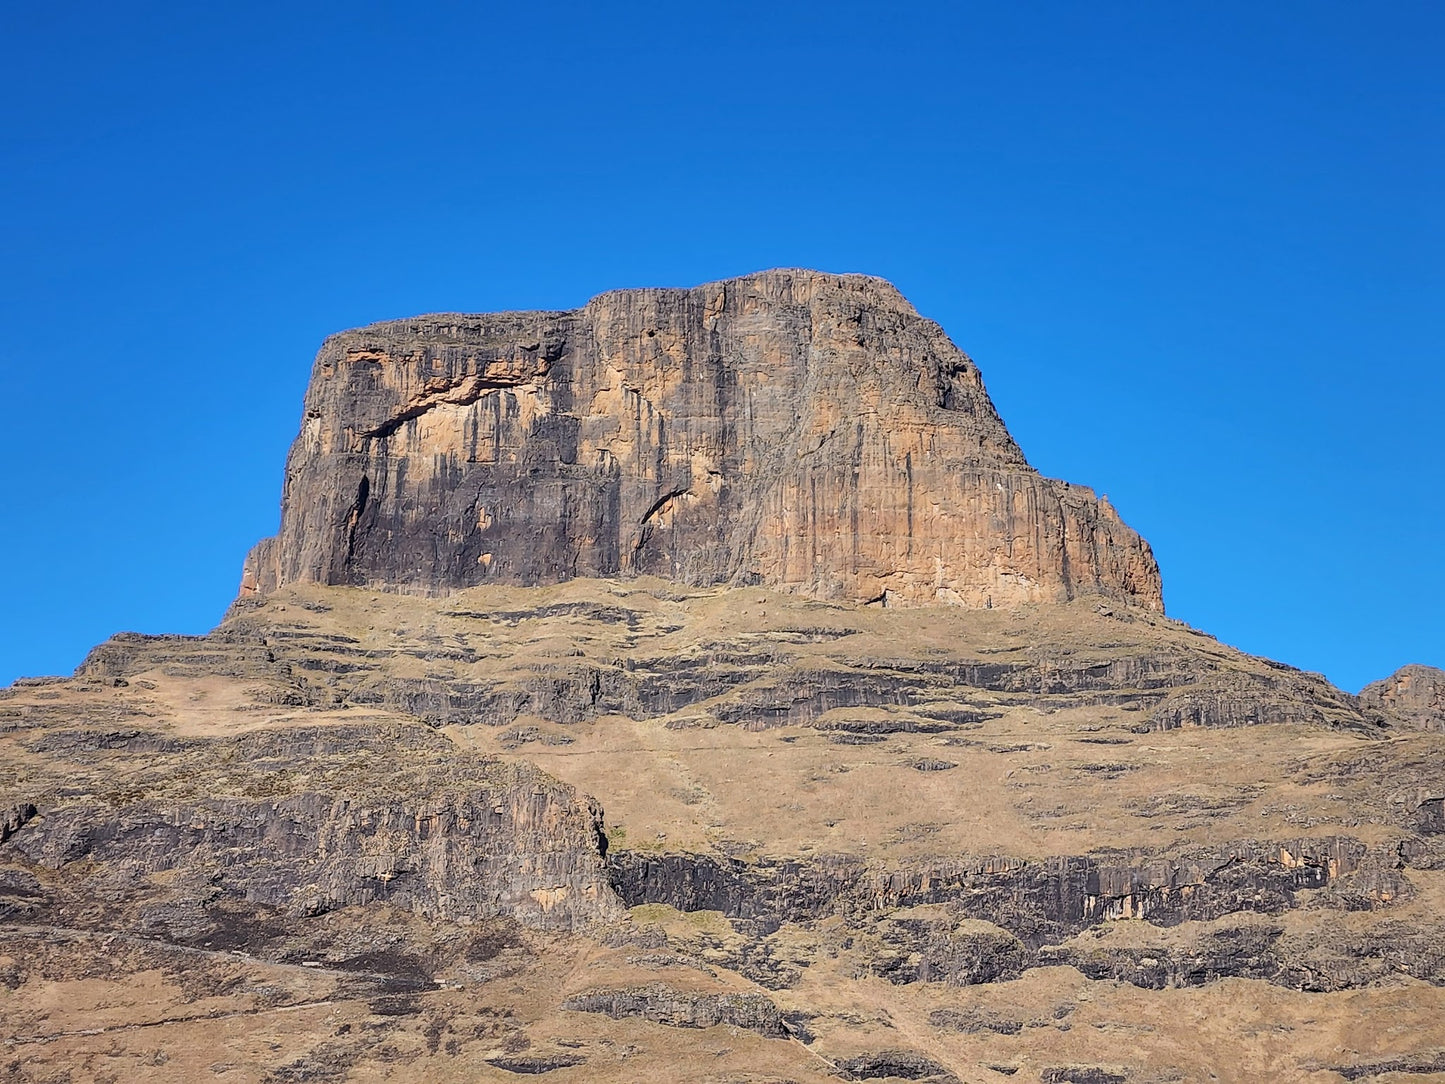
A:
(311, 819)
(791, 428)
(355, 824)
(1413, 695)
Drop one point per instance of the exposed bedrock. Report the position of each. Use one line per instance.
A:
(1413, 695)
(664, 1005)
(311, 819)
(976, 921)
(756, 686)
(895, 1065)
(1036, 901)
(1318, 961)
(792, 428)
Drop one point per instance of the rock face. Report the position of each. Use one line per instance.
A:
(1036, 902)
(664, 1005)
(301, 819)
(792, 428)
(1414, 695)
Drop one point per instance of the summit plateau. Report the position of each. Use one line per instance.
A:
(701, 685)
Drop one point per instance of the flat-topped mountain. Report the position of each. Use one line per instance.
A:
(553, 736)
(790, 429)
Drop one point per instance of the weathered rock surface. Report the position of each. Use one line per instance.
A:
(683, 1009)
(1413, 695)
(534, 1065)
(312, 819)
(895, 1065)
(1035, 902)
(791, 428)
(1426, 1065)
(1081, 1074)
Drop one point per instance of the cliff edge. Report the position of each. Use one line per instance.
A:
(1413, 695)
(795, 429)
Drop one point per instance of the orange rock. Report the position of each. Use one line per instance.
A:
(791, 428)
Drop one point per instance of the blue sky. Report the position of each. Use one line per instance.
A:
(1195, 248)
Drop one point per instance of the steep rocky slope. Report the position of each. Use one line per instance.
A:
(1412, 695)
(408, 815)
(614, 829)
(792, 428)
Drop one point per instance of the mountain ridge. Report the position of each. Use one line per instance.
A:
(649, 795)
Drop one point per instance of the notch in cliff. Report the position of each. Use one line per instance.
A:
(797, 429)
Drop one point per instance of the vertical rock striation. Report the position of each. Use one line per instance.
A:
(1414, 695)
(792, 428)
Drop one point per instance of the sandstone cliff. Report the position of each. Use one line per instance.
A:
(791, 428)
(1414, 695)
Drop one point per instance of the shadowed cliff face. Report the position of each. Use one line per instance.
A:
(795, 429)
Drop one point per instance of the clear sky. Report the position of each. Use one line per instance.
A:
(1198, 250)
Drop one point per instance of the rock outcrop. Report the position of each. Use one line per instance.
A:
(1413, 695)
(309, 819)
(1036, 902)
(791, 428)
(680, 1009)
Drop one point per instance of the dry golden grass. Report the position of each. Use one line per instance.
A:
(1046, 776)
